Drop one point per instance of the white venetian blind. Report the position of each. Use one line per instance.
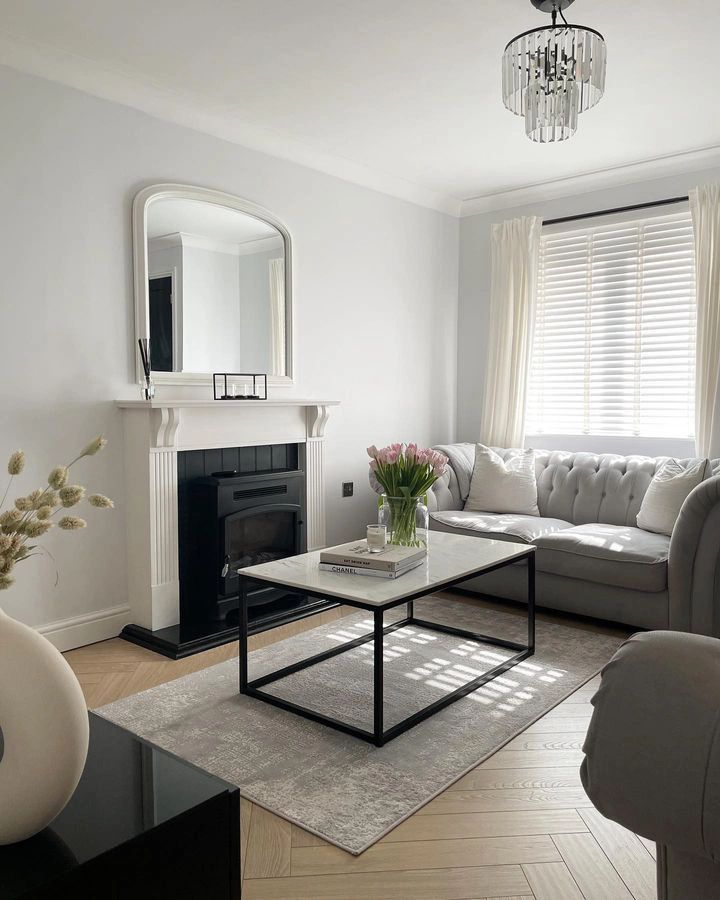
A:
(614, 347)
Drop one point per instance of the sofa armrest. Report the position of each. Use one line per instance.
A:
(653, 747)
(694, 562)
(444, 494)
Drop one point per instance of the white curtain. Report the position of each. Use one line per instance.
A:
(705, 209)
(277, 316)
(515, 254)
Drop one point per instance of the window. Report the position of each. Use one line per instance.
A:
(614, 347)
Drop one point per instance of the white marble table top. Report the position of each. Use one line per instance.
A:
(450, 556)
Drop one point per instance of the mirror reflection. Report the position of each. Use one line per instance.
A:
(216, 289)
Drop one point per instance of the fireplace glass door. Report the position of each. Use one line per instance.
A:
(258, 535)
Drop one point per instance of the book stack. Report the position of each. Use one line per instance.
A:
(355, 559)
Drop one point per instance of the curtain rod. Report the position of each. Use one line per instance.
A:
(619, 209)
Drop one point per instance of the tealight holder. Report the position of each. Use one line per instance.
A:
(239, 386)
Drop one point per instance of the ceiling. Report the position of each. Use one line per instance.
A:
(216, 222)
(401, 95)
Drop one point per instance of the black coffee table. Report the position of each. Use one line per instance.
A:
(142, 824)
(451, 560)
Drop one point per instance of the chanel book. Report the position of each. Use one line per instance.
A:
(374, 573)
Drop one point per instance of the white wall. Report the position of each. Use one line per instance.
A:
(211, 310)
(255, 319)
(163, 260)
(375, 315)
(474, 301)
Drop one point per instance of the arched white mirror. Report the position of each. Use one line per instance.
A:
(213, 285)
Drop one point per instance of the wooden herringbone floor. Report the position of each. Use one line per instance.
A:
(517, 827)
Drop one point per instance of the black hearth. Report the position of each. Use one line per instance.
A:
(237, 507)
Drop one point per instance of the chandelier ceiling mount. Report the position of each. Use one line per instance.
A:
(550, 6)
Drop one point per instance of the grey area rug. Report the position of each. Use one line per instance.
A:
(339, 787)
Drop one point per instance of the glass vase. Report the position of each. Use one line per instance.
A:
(147, 388)
(406, 520)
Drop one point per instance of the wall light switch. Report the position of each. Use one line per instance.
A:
(347, 489)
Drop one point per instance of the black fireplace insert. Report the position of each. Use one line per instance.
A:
(237, 521)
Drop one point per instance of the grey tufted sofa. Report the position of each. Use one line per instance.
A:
(591, 557)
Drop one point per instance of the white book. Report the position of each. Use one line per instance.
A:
(373, 573)
(356, 554)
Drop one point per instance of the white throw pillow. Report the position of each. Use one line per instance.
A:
(666, 494)
(503, 487)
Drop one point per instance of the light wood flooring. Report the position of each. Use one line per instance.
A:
(517, 827)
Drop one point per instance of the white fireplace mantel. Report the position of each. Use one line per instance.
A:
(154, 432)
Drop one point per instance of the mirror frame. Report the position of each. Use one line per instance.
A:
(141, 202)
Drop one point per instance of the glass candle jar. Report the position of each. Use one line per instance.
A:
(376, 538)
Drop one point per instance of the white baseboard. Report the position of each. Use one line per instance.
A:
(67, 634)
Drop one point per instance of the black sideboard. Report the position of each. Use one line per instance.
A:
(142, 824)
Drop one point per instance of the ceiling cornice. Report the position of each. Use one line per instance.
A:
(203, 115)
(647, 170)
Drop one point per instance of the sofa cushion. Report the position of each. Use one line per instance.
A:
(609, 554)
(666, 494)
(499, 526)
(501, 486)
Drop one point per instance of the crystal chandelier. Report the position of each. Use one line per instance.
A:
(551, 74)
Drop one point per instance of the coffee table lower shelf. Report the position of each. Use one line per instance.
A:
(381, 735)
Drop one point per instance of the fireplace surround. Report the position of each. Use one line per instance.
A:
(157, 436)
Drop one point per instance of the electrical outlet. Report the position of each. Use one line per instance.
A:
(347, 488)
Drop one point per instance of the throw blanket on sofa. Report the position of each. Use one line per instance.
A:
(462, 460)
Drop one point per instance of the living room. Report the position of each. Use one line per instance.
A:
(288, 284)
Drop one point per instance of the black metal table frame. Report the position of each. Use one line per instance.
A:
(380, 735)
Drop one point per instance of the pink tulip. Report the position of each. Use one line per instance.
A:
(411, 452)
(436, 458)
(392, 457)
(372, 451)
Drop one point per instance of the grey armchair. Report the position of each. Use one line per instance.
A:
(653, 753)
(694, 562)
